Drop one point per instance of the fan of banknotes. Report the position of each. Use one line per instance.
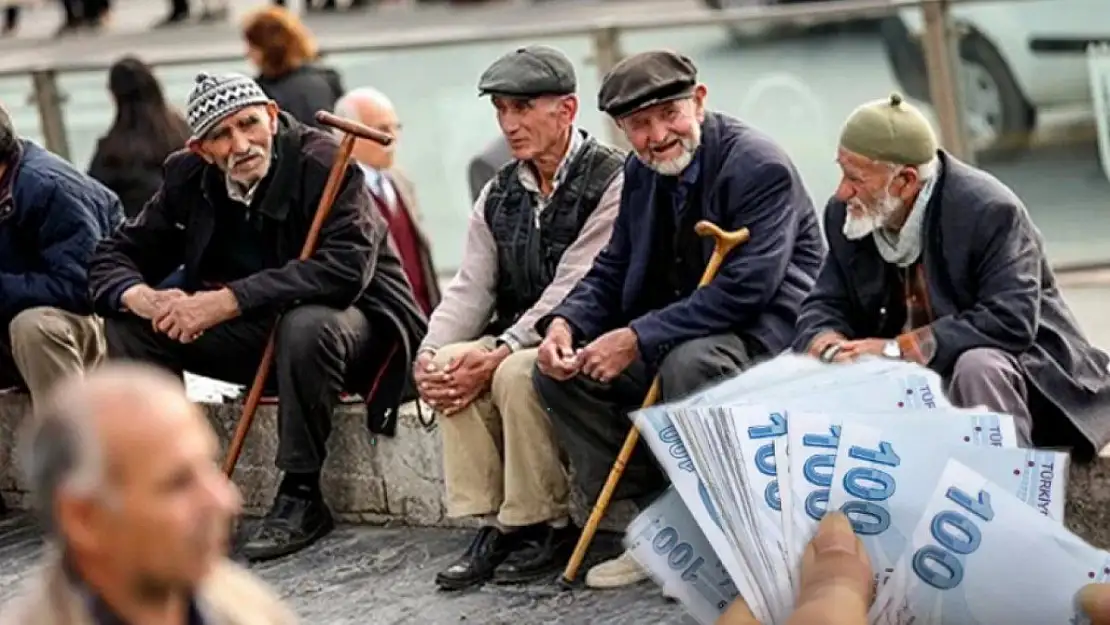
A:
(961, 525)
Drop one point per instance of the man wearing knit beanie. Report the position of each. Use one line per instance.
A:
(936, 262)
(234, 210)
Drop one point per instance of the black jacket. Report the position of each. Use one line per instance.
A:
(304, 91)
(353, 263)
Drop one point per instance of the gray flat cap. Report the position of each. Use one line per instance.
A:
(529, 72)
(644, 80)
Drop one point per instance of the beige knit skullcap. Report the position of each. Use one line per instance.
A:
(890, 130)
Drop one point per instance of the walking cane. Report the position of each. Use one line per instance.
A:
(351, 132)
(723, 243)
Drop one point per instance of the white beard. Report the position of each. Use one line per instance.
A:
(678, 164)
(871, 219)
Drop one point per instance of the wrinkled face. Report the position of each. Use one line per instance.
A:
(534, 127)
(371, 153)
(241, 145)
(876, 193)
(666, 136)
(164, 518)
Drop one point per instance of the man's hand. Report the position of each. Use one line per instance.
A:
(836, 581)
(853, 350)
(555, 357)
(1095, 600)
(146, 302)
(186, 318)
(609, 354)
(463, 380)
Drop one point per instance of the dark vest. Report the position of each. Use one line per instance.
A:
(529, 248)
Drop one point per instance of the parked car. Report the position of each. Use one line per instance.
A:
(1016, 57)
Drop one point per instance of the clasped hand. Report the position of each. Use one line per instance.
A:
(603, 359)
(179, 315)
(457, 384)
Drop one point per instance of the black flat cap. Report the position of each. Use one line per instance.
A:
(646, 79)
(529, 72)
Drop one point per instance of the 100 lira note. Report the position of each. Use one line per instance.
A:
(667, 542)
(980, 556)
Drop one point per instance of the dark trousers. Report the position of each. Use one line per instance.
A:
(316, 348)
(591, 418)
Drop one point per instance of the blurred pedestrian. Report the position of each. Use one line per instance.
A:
(485, 164)
(128, 159)
(83, 15)
(180, 10)
(123, 470)
(284, 51)
(392, 191)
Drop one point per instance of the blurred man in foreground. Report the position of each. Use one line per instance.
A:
(125, 474)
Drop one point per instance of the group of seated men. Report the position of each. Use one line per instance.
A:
(578, 285)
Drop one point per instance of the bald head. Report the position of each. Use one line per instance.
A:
(372, 108)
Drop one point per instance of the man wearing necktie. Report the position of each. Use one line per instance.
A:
(393, 193)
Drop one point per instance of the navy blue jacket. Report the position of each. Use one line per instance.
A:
(51, 218)
(747, 181)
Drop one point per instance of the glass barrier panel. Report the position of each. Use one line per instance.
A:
(18, 98)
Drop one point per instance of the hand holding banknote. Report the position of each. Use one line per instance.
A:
(837, 583)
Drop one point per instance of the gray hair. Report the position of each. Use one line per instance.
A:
(9, 140)
(60, 451)
(925, 171)
(347, 106)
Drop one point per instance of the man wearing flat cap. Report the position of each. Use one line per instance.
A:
(235, 208)
(638, 311)
(533, 233)
(937, 262)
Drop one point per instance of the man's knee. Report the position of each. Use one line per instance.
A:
(514, 374)
(307, 331)
(447, 353)
(984, 364)
(41, 328)
(697, 362)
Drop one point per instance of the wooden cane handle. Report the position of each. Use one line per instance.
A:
(353, 128)
(724, 241)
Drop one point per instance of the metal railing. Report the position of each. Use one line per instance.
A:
(938, 44)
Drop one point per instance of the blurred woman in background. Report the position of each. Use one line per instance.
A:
(128, 159)
(283, 50)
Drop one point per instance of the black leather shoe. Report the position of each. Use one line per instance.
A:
(489, 548)
(543, 551)
(292, 524)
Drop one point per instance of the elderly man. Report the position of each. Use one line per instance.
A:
(392, 191)
(637, 312)
(937, 262)
(534, 231)
(51, 217)
(235, 209)
(123, 468)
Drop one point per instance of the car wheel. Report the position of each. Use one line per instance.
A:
(999, 118)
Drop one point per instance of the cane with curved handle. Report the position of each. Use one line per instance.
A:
(723, 243)
(351, 132)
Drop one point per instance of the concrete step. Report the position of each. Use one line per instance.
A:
(399, 480)
(367, 479)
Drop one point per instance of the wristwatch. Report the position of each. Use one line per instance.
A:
(892, 350)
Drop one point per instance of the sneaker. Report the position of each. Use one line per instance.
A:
(616, 573)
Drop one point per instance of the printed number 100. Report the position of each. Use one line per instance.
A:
(870, 485)
(939, 566)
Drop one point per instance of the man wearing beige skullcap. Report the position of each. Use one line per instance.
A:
(934, 261)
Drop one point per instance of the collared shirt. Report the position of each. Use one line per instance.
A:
(530, 181)
(686, 181)
(237, 192)
(379, 185)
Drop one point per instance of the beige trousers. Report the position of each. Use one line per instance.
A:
(49, 344)
(500, 455)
